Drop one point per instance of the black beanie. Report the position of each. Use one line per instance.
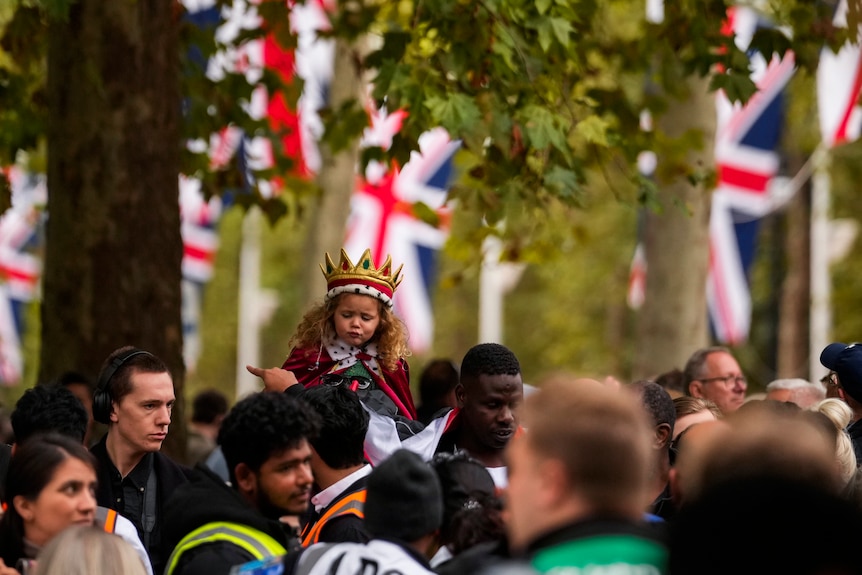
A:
(404, 499)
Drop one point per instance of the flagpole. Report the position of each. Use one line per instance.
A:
(248, 332)
(495, 280)
(821, 285)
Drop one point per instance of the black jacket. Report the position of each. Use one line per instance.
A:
(207, 498)
(169, 476)
(347, 527)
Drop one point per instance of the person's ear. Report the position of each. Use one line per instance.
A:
(246, 478)
(24, 507)
(460, 393)
(695, 388)
(663, 433)
(553, 484)
(113, 415)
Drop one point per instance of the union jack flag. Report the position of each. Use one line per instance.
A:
(746, 160)
(383, 218)
(200, 217)
(20, 265)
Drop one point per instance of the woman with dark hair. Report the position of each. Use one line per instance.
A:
(50, 485)
(472, 511)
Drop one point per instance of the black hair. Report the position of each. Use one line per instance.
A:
(657, 402)
(31, 468)
(471, 508)
(479, 521)
(49, 407)
(263, 424)
(68, 378)
(438, 378)
(208, 405)
(344, 423)
(489, 359)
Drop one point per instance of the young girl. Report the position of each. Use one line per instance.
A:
(354, 338)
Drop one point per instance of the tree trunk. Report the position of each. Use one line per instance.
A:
(337, 179)
(793, 335)
(673, 318)
(113, 246)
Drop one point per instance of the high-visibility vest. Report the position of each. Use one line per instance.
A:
(353, 504)
(256, 543)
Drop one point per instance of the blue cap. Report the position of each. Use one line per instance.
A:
(846, 361)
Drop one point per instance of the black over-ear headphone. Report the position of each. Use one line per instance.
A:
(102, 397)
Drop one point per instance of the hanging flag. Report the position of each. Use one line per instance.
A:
(647, 161)
(11, 357)
(383, 218)
(746, 161)
(839, 82)
(199, 217)
(20, 265)
(386, 197)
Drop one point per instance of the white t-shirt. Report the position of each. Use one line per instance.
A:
(126, 529)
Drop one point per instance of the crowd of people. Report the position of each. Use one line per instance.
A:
(331, 468)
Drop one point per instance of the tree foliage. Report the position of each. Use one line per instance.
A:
(544, 94)
(538, 91)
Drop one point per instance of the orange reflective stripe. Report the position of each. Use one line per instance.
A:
(110, 521)
(353, 504)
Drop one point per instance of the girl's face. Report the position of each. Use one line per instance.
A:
(68, 499)
(356, 318)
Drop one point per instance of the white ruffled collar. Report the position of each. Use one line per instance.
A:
(346, 355)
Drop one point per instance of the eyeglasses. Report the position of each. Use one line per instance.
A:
(727, 380)
(830, 379)
(353, 382)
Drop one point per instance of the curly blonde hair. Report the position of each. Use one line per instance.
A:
(317, 325)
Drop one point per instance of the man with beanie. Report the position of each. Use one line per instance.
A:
(403, 513)
(845, 365)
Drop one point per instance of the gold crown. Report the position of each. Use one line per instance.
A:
(363, 276)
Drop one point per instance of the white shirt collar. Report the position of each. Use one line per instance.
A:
(326, 496)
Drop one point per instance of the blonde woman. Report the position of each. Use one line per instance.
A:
(840, 414)
(89, 550)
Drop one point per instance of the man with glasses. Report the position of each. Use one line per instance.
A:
(845, 365)
(830, 380)
(713, 373)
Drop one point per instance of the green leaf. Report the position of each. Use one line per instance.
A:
(769, 42)
(345, 126)
(456, 113)
(423, 212)
(543, 5)
(541, 128)
(562, 29)
(593, 129)
(563, 181)
(737, 87)
(545, 32)
(394, 47)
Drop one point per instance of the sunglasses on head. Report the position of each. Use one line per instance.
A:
(353, 382)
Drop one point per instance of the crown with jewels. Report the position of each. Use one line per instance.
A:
(363, 278)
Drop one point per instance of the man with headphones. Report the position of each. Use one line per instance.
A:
(134, 398)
